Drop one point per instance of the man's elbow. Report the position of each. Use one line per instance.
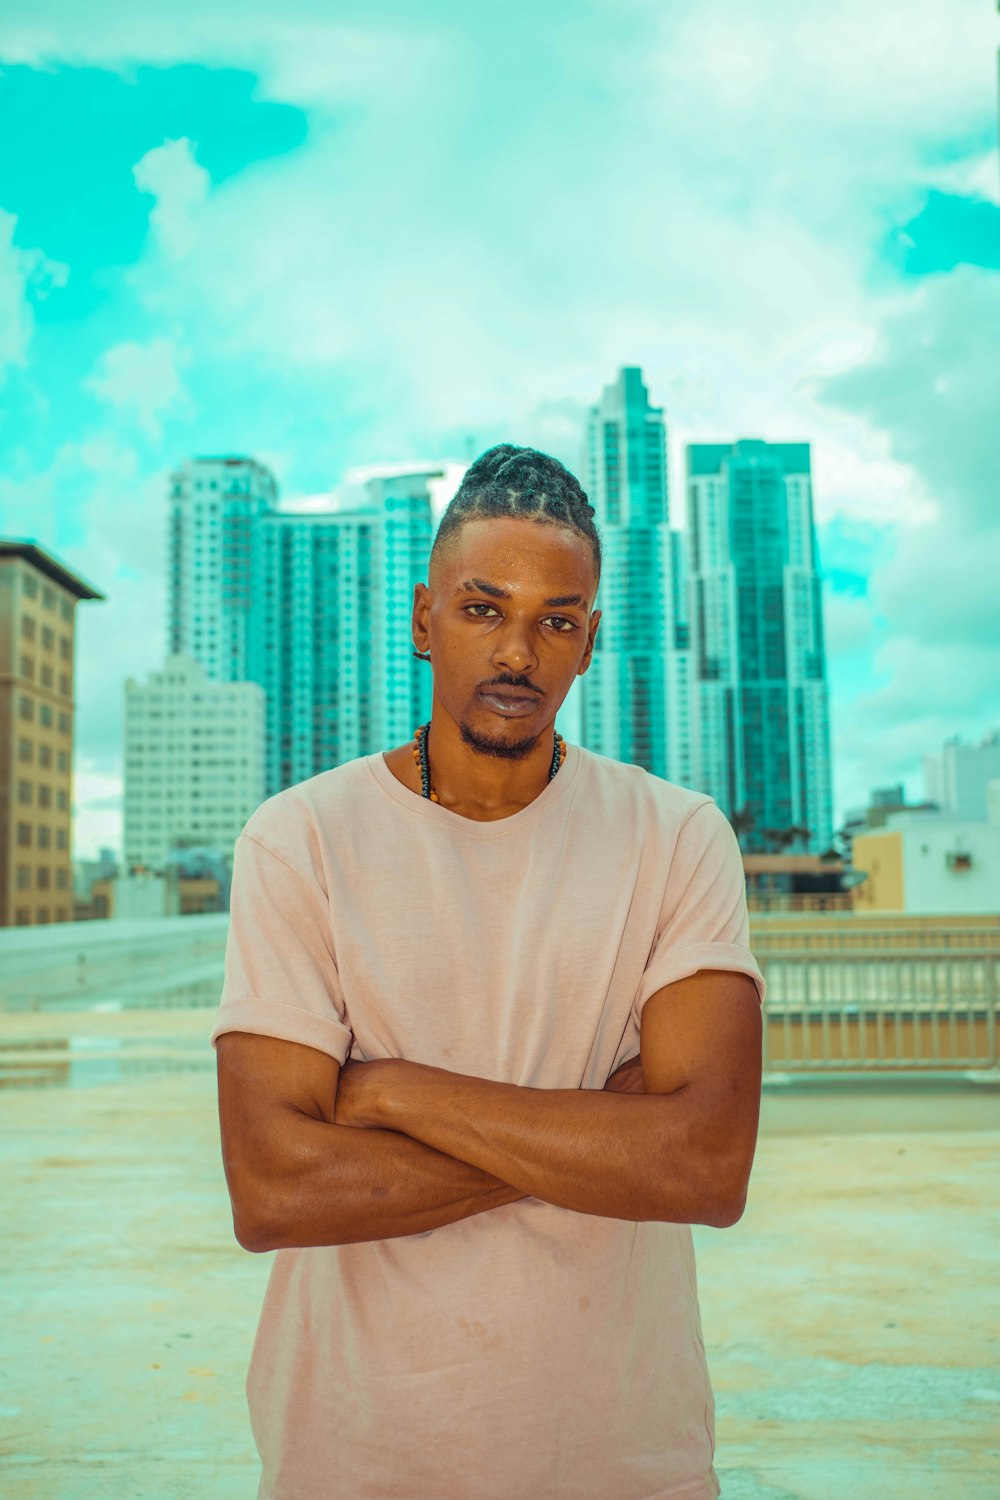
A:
(252, 1235)
(726, 1209)
(725, 1182)
(254, 1231)
(258, 1210)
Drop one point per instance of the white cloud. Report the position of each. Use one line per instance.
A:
(971, 177)
(106, 497)
(180, 187)
(21, 271)
(141, 382)
(302, 52)
(705, 196)
(900, 65)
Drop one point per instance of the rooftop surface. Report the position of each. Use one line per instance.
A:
(851, 1318)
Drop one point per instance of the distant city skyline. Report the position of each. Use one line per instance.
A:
(329, 241)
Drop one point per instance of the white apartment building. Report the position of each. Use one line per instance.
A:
(957, 777)
(194, 761)
(930, 863)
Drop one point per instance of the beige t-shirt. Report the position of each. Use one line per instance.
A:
(528, 1352)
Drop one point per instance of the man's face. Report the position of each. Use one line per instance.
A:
(510, 607)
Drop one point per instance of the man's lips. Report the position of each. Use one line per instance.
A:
(509, 702)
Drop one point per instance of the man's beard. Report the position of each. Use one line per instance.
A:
(496, 748)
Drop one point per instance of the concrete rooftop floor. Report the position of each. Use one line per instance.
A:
(852, 1317)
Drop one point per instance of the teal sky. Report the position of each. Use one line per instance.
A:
(346, 233)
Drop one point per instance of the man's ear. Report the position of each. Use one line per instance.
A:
(422, 599)
(595, 620)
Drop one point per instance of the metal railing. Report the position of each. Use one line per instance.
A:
(845, 991)
(864, 992)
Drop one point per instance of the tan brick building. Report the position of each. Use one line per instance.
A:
(38, 597)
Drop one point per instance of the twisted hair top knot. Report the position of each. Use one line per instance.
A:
(510, 481)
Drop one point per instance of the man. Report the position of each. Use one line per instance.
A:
(489, 1043)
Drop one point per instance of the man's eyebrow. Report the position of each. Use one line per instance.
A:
(480, 586)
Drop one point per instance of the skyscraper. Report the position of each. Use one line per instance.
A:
(311, 638)
(623, 694)
(38, 599)
(213, 506)
(760, 717)
(329, 640)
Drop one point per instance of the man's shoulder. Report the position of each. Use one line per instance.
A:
(288, 823)
(617, 782)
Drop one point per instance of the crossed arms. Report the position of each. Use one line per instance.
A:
(316, 1154)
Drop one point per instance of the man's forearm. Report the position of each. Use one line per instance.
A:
(618, 1155)
(342, 1186)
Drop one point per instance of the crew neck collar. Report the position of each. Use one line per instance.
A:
(553, 792)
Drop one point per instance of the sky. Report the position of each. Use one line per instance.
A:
(338, 233)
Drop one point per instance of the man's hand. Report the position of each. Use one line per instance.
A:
(357, 1091)
(627, 1079)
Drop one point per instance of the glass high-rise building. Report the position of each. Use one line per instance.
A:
(624, 694)
(759, 707)
(312, 599)
(330, 640)
(213, 505)
(312, 646)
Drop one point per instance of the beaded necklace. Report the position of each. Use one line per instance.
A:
(420, 758)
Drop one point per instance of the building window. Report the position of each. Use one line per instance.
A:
(24, 835)
(48, 637)
(22, 917)
(24, 877)
(62, 760)
(45, 715)
(62, 838)
(27, 666)
(46, 675)
(45, 796)
(44, 836)
(66, 608)
(62, 800)
(24, 793)
(26, 707)
(28, 627)
(30, 585)
(64, 723)
(62, 878)
(42, 916)
(42, 877)
(25, 750)
(44, 756)
(64, 647)
(64, 684)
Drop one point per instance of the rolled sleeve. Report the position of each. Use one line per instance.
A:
(704, 922)
(281, 975)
